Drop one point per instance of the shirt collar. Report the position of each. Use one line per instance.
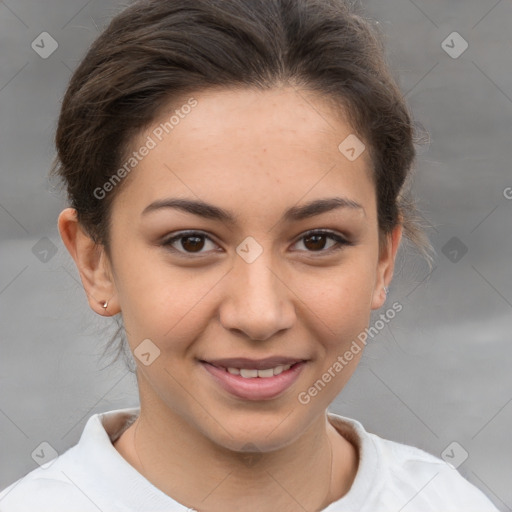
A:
(133, 491)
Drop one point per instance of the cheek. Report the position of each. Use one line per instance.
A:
(340, 309)
(159, 301)
(341, 297)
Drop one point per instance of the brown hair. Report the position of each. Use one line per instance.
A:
(156, 51)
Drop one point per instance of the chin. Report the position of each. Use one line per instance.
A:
(258, 432)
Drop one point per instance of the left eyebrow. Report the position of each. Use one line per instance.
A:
(295, 213)
(320, 206)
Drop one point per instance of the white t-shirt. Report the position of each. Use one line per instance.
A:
(92, 476)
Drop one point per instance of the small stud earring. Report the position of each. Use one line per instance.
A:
(105, 304)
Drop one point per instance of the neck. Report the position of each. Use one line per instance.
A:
(308, 474)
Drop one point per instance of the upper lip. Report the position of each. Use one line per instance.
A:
(256, 364)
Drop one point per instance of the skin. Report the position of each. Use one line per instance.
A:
(256, 154)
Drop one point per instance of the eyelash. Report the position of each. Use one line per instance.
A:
(340, 242)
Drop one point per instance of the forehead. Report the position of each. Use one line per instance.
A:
(255, 120)
(249, 144)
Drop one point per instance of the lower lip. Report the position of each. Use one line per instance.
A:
(256, 388)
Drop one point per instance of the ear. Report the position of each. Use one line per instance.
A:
(386, 265)
(92, 264)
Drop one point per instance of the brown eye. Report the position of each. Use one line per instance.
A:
(316, 241)
(192, 243)
(188, 243)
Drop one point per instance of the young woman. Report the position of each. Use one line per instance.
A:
(236, 171)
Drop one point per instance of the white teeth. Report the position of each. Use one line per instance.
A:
(247, 373)
(266, 373)
(278, 369)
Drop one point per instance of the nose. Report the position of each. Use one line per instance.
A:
(257, 302)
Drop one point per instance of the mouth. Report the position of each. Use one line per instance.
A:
(251, 368)
(252, 379)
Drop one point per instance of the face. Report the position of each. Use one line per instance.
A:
(257, 280)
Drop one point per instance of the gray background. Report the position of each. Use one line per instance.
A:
(438, 373)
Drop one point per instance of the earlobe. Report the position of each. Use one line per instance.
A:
(91, 262)
(385, 267)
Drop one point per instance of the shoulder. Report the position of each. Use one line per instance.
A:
(396, 476)
(47, 488)
(88, 476)
(426, 480)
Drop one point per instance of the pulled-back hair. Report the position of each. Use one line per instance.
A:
(158, 50)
